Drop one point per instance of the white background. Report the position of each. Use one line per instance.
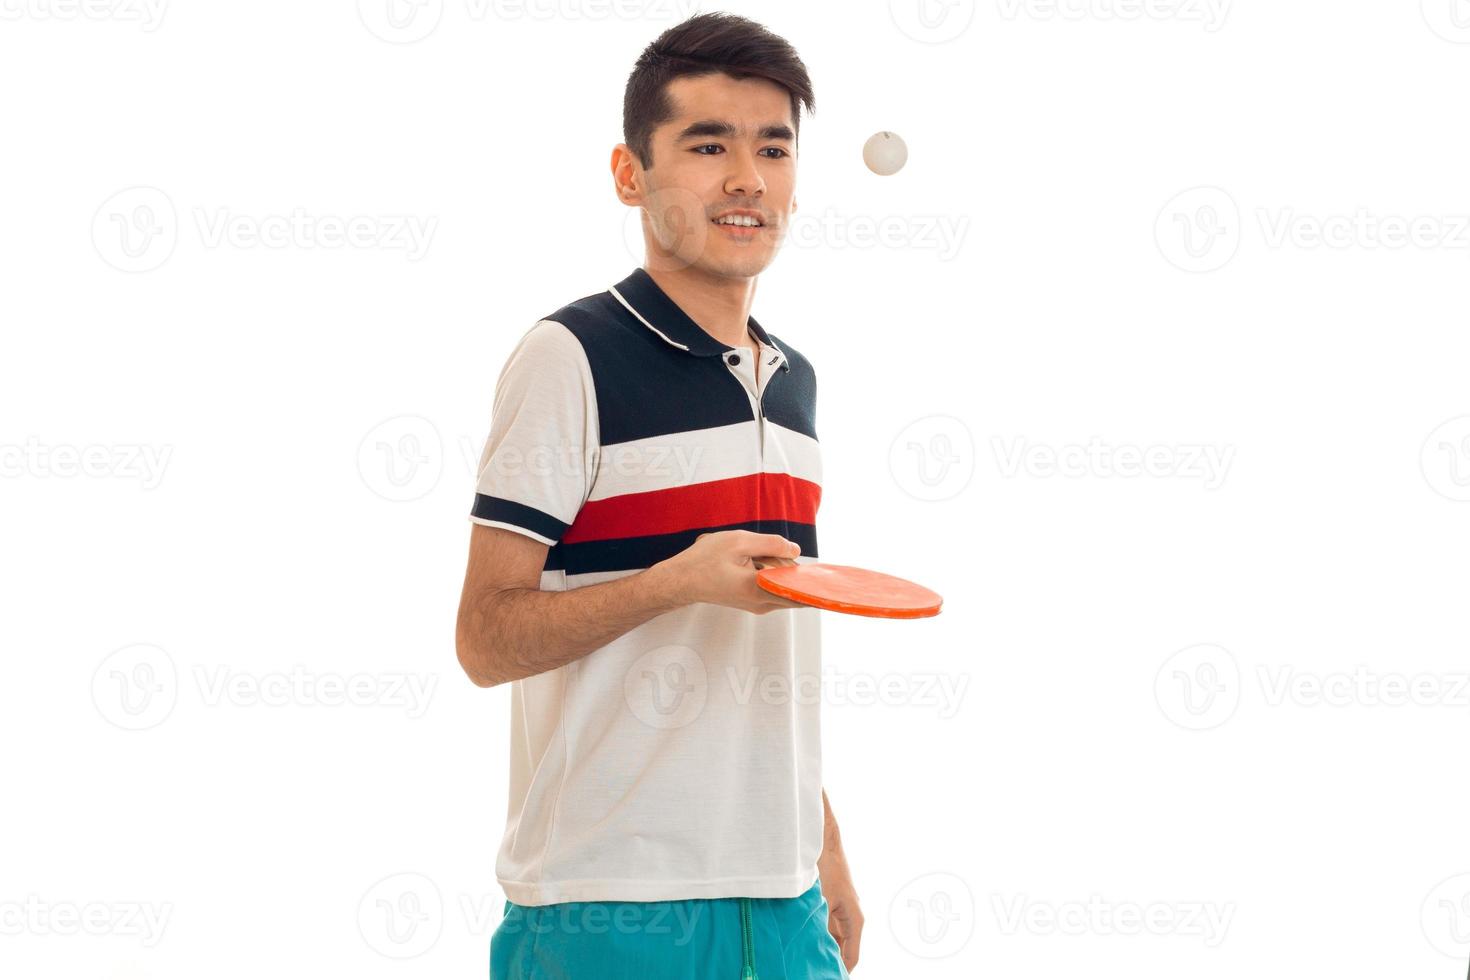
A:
(1205, 721)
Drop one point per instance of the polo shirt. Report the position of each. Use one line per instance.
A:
(683, 759)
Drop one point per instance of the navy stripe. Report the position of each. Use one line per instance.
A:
(509, 512)
(647, 389)
(621, 554)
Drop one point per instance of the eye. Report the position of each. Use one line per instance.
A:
(778, 150)
(707, 146)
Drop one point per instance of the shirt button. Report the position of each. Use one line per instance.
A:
(734, 358)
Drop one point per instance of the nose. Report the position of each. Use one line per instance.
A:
(744, 179)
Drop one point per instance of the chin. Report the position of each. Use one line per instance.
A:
(738, 266)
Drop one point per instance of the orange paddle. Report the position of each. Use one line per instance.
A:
(843, 588)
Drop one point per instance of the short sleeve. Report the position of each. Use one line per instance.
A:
(537, 466)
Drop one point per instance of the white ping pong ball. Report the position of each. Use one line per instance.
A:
(885, 153)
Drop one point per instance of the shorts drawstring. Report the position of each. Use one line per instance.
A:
(747, 941)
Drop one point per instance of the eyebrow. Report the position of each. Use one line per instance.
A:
(725, 130)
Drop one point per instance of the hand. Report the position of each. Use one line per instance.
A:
(844, 917)
(720, 566)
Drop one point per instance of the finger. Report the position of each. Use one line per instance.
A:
(774, 545)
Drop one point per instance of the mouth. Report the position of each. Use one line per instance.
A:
(741, 232)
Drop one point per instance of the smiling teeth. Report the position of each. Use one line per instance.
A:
(738, 219)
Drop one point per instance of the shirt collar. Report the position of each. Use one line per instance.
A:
(658, 312)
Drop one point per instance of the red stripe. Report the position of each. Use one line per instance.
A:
(782, 497)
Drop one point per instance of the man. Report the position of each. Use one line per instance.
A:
(651, 447)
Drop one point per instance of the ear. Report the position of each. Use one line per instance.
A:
(625, 175)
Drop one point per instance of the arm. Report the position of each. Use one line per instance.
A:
(844, 918)
(509, 629)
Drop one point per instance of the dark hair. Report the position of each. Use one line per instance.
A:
(702, 45)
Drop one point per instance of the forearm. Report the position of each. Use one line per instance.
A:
(831, 837)
(515, 633)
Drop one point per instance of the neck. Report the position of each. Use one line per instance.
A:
(720, 306)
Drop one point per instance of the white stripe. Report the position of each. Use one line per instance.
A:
(693, 456)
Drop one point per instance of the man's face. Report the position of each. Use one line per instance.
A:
(730, 146)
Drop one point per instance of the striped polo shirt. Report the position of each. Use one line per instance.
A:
(683, 759)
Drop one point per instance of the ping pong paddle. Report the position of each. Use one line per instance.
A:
(846, 589)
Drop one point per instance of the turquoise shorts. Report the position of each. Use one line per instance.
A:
(687, 939)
